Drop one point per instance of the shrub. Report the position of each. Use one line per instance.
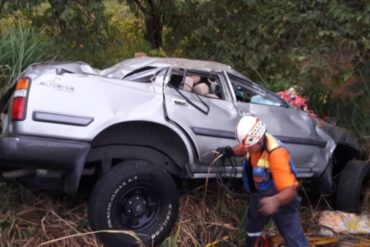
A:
(20, 46)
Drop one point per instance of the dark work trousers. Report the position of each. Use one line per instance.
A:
(286, 219)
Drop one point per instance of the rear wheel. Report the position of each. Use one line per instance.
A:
(352, 184)
(134, 196)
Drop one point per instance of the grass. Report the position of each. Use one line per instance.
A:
(34, 218)
(29, 218)
(20, 46)
(203, 221)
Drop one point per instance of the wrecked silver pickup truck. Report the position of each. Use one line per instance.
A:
(144, 124)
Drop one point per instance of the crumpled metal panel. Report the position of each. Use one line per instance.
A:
(62, 67)
(342, 135)
(120, 69)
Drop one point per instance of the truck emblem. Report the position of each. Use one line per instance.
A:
(57, 86)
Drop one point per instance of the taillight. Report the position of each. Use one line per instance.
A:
(20, 99)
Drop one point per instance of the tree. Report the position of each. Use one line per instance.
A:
(322, 46)
(79, 19)
(57, 9)
(2, 2)
(156, 14)
(13, 5)
(81, 26)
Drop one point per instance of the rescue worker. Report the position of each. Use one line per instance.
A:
(269, 175)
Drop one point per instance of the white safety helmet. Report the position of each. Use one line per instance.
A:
(250, 130)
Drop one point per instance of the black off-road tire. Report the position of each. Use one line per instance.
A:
(352, 186)
(134, 196)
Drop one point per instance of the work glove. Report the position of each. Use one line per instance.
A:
(226, 151)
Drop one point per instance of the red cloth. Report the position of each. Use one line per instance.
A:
(296, 100)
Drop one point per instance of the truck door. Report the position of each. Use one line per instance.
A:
(295, 128)
(199, 103)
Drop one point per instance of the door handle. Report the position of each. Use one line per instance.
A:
(179, 102)
(243, 113)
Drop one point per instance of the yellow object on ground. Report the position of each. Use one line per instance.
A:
(216, 243)
(341, 222)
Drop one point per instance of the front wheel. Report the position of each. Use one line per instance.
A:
(134, 196)
(352, 184)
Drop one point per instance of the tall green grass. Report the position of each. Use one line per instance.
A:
(21, 46)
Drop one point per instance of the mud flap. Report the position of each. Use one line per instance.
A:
(72, 178)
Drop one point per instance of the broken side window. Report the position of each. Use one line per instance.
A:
(249, 92)
(200, 83)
